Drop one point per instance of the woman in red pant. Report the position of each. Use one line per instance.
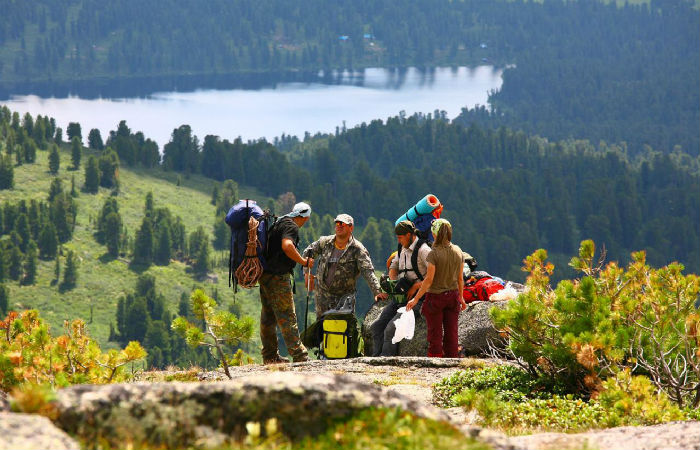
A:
(443, 301)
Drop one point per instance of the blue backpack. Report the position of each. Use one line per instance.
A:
(423, 223)
(237, 219)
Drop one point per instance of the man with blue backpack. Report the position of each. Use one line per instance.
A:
(276, 287)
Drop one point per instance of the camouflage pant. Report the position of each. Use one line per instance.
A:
(278, 310)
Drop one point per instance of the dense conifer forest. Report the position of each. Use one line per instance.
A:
(595, 134)
(581, 69)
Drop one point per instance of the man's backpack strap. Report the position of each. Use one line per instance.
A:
(414, 258)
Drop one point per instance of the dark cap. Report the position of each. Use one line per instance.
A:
(404, 227)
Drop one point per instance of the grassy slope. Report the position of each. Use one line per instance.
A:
(101, 284)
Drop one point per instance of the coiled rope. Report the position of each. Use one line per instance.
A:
(250, 270)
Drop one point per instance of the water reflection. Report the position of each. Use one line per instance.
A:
(265, 106)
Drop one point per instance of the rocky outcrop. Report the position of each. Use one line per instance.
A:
(476, 330)
(32, 432)
(667, 436)
(184, 414)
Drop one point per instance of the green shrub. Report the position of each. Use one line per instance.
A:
(517, 403)
(509, 382)
(587, 330)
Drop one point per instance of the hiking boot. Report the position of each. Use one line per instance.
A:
(302, 358)
(277, 360)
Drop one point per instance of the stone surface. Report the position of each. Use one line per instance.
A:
(667, 436)
(301, 403)
(476, 330)
(32, 432)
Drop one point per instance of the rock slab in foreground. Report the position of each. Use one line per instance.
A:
(667, 436)
(185, 413)
(32, 432)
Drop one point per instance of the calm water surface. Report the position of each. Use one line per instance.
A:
(289, 108)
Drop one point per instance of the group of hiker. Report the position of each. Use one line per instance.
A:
(428, 277)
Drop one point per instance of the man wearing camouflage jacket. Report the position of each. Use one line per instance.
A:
(340, 259)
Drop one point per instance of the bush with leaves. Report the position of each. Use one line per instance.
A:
(29, 354)
(510, 399)
(221, 328)
(589, 329)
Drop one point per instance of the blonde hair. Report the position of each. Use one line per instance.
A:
(444, 235)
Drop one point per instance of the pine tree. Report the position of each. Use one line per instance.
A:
(29, 150)
(202, 264)
(15, 263)
(112, 233)
(74, 130)
(95, 139)
(55, 188)
(92, 176)
(4, 300)
(58, 137)
(109, 168)
(23, 231)
(73, 190)
(76, 152)
(7, 171)
(30, 264)
(54, 160)
(143, 246)
(57, 269)
(70, 274)
(163, 246)
(48, 241)
(149, 205)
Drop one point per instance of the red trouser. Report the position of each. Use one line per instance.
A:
(441, 312)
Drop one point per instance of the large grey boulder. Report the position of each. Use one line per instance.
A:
(207, 414)
(32, 432)
(476, 330)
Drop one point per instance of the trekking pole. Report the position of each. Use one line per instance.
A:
(308, 286)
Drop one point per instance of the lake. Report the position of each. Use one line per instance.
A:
(319, 104)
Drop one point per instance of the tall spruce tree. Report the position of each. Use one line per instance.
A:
(95, 139)
(76, 152)
(30, 264)
(15, 266)
(55, 188)
(48, 241)
(143, 246)
(163, 246)
(92, 176)
(7, 172)
(112, 233)
(70, 274)
(54, 160)
(4, 300)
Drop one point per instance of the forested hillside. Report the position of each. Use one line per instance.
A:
(139, 245)
(506, 193)
(581, 69)
(84, 236)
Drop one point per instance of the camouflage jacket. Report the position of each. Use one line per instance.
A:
(353, 262)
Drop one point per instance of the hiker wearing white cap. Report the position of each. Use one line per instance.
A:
(341, 259)
(276, 287)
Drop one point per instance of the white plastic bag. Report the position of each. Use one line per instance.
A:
(507, 293)
(405, 325)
